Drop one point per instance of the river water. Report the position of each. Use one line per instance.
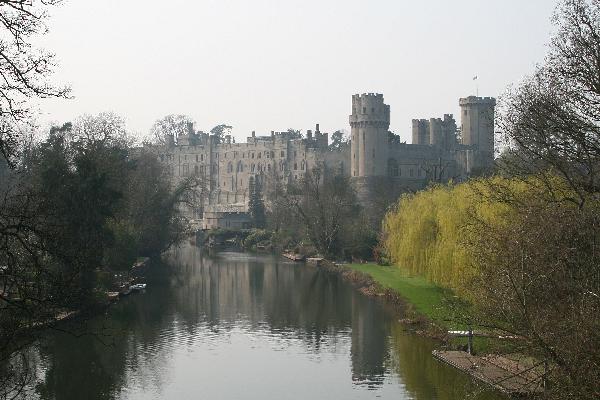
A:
(240, 326)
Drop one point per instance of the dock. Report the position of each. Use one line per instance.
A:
(506, 375)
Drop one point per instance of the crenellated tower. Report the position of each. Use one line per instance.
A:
(369, 123)
(477, 127)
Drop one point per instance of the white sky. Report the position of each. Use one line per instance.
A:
(275, 64)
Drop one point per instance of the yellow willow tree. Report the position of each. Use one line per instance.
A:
(429, 233)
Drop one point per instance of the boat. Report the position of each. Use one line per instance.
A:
(138, 286)
(293, 256)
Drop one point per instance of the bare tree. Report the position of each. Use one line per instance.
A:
(323, 204)
(24, 69)
(551, 123)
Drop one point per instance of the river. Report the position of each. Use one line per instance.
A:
(241, 326)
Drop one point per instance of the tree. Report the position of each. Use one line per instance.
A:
(256, 205)
(393, 138)
(170, 126)
(294, 133)
(551, 123)
(324, 204)
(338, 140)
(220, 131)
(25, 69)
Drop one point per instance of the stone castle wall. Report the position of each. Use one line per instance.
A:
(371, 160)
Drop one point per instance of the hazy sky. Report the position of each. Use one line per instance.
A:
(271, 65)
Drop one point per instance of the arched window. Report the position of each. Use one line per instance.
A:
(302, 165)
(252, 168)
(392, 167)
(240, 167)
(229, 167)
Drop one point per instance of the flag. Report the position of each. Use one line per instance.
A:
(475, 78)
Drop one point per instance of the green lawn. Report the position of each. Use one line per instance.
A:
(428, 299)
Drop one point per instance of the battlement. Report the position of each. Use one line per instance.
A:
(375, 95)
(472, 100)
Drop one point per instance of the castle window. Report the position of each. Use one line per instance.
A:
(372, 110)
(392, 167)
(364, 110)
(196, 157)
(225, 155)
(282, 153)
(252, 155)
(252, 168)
(302, 166)
(229, 168)
(202, 157)
(294, 153)
(195, 170)
(295, 166)
(259, 155)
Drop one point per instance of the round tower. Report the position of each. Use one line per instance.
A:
(369, 123)
(477, 125)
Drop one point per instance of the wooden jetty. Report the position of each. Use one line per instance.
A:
(506, 375)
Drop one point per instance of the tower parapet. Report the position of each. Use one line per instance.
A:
(369, 123)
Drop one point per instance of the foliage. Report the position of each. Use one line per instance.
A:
(256, 206)
(256, 236)
(294, 133)
(82, 203)
(522, 254)
(220, 131)
(339, 140)
(321, 205)
(551, 122)
(170, 127)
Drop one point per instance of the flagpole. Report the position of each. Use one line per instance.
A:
(476, 79)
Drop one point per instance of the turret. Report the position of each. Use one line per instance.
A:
(369, 123)
(477, 126)
(420, 131)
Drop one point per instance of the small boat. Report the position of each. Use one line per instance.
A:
(138, 286)
(293, 256)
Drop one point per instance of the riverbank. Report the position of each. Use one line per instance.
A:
(435, 303)
(426, 309)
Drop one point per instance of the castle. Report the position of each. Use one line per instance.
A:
(439, 152)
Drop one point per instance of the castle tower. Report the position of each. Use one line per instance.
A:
(369, 122)
(420, 131)
(477, 126)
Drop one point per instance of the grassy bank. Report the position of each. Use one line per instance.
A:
(436, 303)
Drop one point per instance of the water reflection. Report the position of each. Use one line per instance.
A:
(233, 325)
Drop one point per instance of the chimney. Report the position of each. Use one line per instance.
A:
(317, 129)
(253, 133)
